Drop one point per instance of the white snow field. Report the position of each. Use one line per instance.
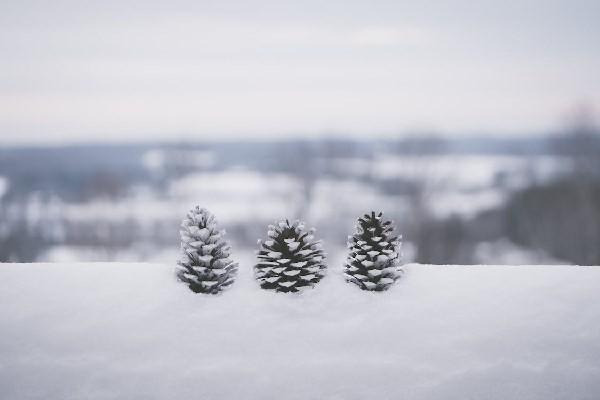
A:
(131, 331)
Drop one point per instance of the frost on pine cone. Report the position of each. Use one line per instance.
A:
(289, 260)
(373, 262)
(205, 265)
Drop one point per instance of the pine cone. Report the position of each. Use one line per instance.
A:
(373, 262)
(289, 261)
(205, 265)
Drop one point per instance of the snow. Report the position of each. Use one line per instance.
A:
(233, 195)
(3, 186)
(156, 160)
(327, 193)
(126, 330)
(465, 172)
(508, 253)
(230, 195)
(456, 184)
(466, 204)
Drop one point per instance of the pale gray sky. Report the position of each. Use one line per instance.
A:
(117, 69)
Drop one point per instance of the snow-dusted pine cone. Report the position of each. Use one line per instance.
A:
(374, 260)
(205, 265)
(289, 260)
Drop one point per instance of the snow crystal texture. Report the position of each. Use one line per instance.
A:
(125, 331)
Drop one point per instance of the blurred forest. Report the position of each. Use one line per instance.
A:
(455, 201)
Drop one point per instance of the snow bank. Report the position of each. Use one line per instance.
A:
(108, 331)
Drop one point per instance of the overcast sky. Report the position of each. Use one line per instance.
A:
(118, 69)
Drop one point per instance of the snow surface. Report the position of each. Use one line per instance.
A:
(231, 195)
(119, 330)
(461, 172)
(3, 186)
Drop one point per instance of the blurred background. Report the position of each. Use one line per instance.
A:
(473, 125)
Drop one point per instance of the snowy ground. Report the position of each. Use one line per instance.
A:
(130, 331)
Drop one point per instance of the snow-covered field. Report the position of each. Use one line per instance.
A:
(131, 331)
